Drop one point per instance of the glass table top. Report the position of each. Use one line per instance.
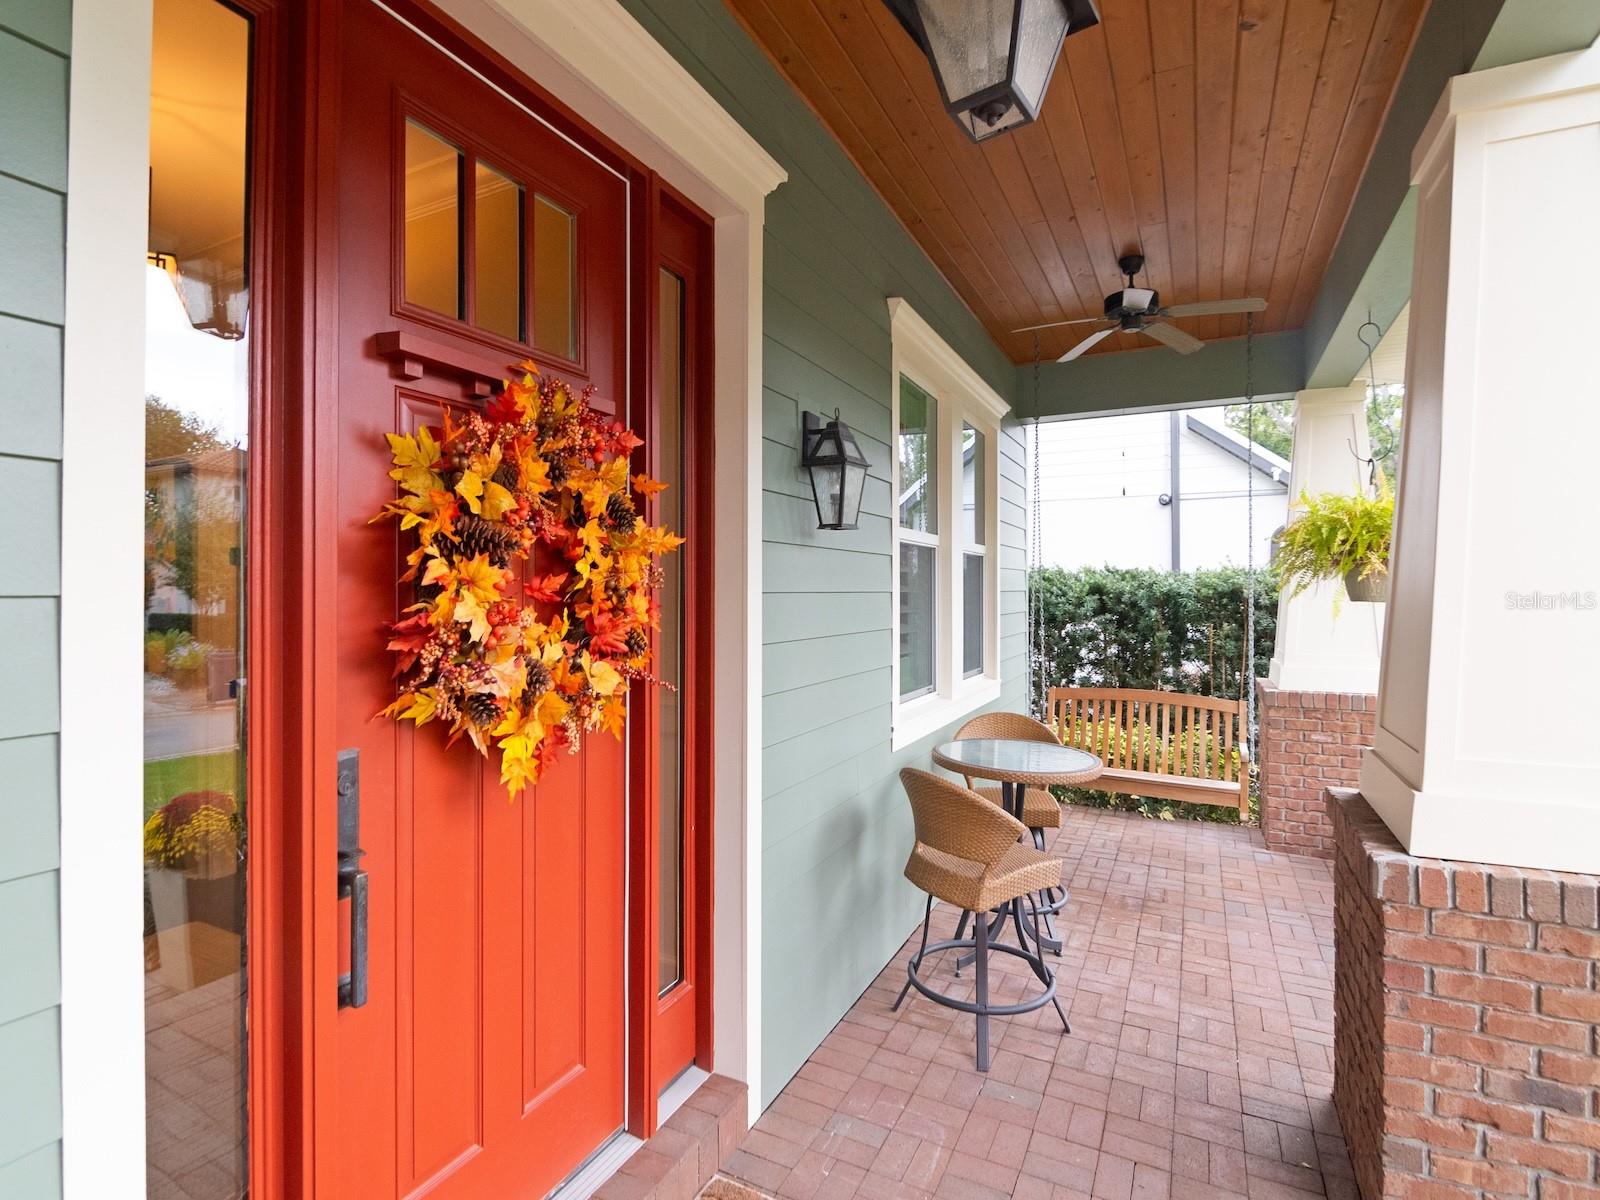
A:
(1001, 758)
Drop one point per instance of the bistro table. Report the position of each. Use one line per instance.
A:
(1017, 765)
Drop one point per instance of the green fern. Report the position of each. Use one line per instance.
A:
(1334, 535)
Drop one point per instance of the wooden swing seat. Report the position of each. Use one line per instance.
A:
(1164, 744)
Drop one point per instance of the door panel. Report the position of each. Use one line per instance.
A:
(488, 1060)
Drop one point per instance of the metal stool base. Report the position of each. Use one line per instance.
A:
(980, 944)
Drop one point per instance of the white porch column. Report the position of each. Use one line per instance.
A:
(1316, 651)
(1487, 747)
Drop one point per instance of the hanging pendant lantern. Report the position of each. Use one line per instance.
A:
(838, 470)
(993, 58)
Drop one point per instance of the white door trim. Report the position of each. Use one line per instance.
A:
(102, 593)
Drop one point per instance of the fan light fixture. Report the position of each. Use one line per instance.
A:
(838, 470)
(993, 58)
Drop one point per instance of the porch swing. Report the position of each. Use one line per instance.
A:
(1173, 746)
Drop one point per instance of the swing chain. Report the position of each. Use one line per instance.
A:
(1036, 663)
(1247, 676)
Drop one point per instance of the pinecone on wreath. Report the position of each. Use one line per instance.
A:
(538, 679)
(506, 476)
(482, 709)
(620, 514)
(475, 536)
(637, 642)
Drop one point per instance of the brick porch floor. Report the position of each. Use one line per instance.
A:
(1198, 979)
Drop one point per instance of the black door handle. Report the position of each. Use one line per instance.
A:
(353, 986)
(352, 879)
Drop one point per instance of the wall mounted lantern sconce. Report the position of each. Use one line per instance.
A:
(992, 58)
(838, 470)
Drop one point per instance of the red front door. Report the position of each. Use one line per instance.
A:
(488, 1058)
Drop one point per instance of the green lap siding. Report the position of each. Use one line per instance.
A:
(835, 825)
(33, 179)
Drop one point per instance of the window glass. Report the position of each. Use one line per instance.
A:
(197, 416)
(918, 450)
(555, 290)
(917, 565)
(669, 641)
(971, 614)
(973, 517)
(433, 221)
(497, 267)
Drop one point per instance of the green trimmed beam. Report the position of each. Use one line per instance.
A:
(1158, 378)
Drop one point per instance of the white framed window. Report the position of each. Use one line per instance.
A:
(946, 426)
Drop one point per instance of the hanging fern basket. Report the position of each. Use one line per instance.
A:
(1372, 589)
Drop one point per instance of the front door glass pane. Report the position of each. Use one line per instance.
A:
(497, 269)
(197, 405)
(555, 272)
(669, 643)
(433, 221)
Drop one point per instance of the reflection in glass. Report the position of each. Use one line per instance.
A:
(973, 518)
(433, 222)
(971, 614)
(197, 337)
(555, 270)
(916, 619)
(497, 269)
(669, 642)
(919, 477)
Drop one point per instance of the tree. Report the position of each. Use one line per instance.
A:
(1272, 429)
(1273, 426)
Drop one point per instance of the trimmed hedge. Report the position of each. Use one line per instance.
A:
(1129, 627)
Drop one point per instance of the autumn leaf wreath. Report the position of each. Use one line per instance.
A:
(528, 662)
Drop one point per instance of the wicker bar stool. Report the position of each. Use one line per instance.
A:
(1040, 810)
(968, 853)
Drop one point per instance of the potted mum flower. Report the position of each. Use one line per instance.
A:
(1339, 537)
(191, 850)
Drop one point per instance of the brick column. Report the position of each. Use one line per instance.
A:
(1466, 1012)
(1308, 742)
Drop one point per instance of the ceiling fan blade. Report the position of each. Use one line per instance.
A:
(1086, 343)
(1059, 324)
(1207, 308)
(1172, 336)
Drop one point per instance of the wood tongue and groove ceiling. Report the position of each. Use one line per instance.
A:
(1222, 138)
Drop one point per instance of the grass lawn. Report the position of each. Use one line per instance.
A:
(195, 773)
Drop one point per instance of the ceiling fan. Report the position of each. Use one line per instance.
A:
(1138, 310)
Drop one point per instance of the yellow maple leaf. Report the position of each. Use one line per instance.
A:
(414, 458)
(614, 716)
(497, 502)
(595, 493)
(469, 611)
(603, 677)
(419, 706)
(437, 571)
(535, 474)
(480, 578)
(591, 564)
(551, 709)
(470, 489)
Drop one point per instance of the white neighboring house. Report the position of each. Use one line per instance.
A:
(1164, 489)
